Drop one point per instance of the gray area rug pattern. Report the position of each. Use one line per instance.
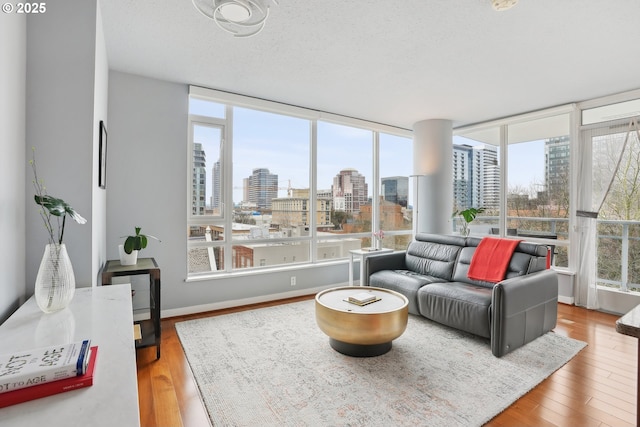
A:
(274, 367)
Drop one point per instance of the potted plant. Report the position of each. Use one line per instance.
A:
(467, 215)
(133, 244)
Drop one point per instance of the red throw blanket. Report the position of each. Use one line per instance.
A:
(491, 259)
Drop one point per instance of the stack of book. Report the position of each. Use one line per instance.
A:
(363, 298)
(32, 374)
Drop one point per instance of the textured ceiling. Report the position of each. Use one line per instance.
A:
(395, 61)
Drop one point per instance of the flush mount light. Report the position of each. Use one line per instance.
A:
(501, 5)
(242, 18)
(235, 12)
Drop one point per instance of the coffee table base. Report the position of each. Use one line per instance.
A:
(360, 350)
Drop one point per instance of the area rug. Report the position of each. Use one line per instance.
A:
(274, 367)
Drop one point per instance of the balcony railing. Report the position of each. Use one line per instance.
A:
(619, 254)
(618, 245)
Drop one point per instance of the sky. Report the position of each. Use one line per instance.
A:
(525, 162)
(282, 144)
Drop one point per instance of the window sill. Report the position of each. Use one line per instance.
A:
(265, 270)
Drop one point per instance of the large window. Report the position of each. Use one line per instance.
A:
(518, 170)
(274, 185)
(477, 177)
(344, 174)
(395, 190)
(270, 189)
(538, 178)
(614, 191)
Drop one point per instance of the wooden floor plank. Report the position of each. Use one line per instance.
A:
(164, 390)
(597, 388)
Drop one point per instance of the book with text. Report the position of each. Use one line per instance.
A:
(53, 387)
(28, 368)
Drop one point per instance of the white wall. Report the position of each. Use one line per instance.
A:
(99, 196)
(147, 187)
(66, 94)
(13, 31)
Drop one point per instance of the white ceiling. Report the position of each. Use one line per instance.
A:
(391, 61)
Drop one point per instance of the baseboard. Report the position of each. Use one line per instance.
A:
(566, 300)
(240, 302)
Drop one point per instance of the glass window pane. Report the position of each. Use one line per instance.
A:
(611, 112)
(396, 197)
(206, 194)
(248, 254)
(616, 185)
(205, 259)
(206, 108)
(271, 155)
(538, 181)
(476, 179)
(344, 174)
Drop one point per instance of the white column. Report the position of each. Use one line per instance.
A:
(432, 166)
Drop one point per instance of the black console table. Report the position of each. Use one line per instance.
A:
(150, 328)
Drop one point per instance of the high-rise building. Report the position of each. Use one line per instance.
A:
(216, 187)
(476, 176)
(556, 168)
(486, 180)
(199, 182)
(462, 176)
(350, 190)
(262, 187)
(395, 189)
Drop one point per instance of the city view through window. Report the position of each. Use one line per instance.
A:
(536, 180)
(273, 218)
(273, 189)
(268, 189)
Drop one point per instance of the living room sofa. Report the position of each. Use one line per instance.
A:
(432, 274)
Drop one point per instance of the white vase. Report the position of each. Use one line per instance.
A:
(55, 282)
(127, 259)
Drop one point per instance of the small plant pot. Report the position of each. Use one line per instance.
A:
(127, 259)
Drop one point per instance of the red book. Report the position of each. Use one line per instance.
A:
(54, 387)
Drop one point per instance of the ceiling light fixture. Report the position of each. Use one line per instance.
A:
(242, 18)
(501, 5)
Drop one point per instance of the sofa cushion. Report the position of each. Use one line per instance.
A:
(434, 255)
(459, 305)
(403, 281)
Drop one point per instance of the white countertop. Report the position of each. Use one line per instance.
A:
(104, 315)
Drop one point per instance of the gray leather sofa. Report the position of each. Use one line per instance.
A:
(432, 274)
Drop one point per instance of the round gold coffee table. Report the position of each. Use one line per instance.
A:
(361, 331)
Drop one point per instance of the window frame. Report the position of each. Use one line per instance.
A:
(503, 142)
(314, 240)
(214, 123)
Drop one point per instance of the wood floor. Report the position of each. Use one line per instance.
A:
(596, 388)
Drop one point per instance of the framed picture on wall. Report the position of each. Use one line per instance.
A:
(102, 161)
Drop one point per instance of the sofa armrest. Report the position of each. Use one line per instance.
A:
(523, 308)
(388, 261)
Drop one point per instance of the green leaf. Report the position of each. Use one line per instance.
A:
(56, 207)
(143, 241)
(469, 214)
(137, 242)
(129, 244)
